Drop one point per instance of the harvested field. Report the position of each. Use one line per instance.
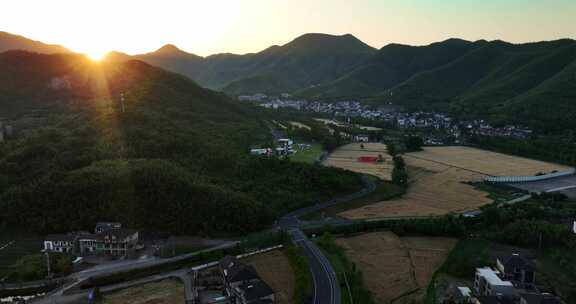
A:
(163, 292)
(486, 162)
(341, 124)
(436, 177)
(346, 157)
(274, 269)
(396, 269)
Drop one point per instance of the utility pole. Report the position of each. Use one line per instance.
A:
(48, 263)
(122, 102)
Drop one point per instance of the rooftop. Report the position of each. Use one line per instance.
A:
(492, 277)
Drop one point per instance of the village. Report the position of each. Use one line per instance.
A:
(391, 115)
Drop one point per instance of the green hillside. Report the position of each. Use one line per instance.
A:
(172, 157)
(390, 66)
(308, 60)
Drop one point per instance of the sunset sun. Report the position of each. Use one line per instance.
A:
(96, 55)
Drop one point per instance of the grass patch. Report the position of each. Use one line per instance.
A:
(385, 190)
(309, 156)
(302, 275)
(10, 254)
(557, 269)
(467, 255)
(499, 193)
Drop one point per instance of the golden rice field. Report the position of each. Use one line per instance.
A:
(396, 269)
(437, 177)
(346, 157)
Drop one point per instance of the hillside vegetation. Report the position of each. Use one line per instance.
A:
(532, 84)
(171, 157)
(308, 60)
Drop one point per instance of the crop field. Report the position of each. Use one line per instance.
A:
(274, 269)
(396, 269)
(437, 176)
(163, 292)
(346, 157)
(486, 162)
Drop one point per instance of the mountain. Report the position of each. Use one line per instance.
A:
(526, 84)
(306, 61)
(390, 66)
(167, 156)
(14, 42)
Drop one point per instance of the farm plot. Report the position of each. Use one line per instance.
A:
(163, 292)
(437, 176)
(346, 157)
(396, 269)
(274, 269)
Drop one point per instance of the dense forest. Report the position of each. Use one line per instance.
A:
(167, 156)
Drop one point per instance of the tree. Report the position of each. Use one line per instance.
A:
(413, 143)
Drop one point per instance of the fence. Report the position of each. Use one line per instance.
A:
(524, 179)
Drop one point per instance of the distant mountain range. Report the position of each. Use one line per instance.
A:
(14, 42)
(532, 83)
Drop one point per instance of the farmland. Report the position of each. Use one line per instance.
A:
(394, 268)
(274, 269)
(163, 292)
(436, 182)
(346, 157)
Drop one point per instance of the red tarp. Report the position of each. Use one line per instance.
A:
(368, 159)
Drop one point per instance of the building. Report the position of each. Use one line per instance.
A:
(111, 241)
(63, 243)
(104, 226)
(361, 138)
(243, 284)
(516, 268)
(256, 292)
(488, 283)
(117, 242)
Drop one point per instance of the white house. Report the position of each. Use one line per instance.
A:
(488, 283)
(59, 243)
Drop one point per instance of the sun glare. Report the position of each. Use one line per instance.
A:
(96, 55)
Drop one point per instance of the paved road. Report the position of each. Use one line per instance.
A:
(326, 286)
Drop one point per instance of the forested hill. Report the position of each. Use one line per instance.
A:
(308, 60)
(171, 156)
(532, 84)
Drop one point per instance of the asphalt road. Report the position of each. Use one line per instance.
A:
(326, 287)
(565, 184)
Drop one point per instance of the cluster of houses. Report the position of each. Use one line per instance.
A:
(392, 115)
(284, 147)
(512, 281)
(108, 239)
(234, 283)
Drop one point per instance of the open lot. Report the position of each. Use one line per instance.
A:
(346, 157)
(437, 177)
(163, 292)
(396, 269)
(274, 269)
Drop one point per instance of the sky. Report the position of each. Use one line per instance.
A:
(205, 27)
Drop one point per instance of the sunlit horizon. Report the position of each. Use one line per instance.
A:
(246, 26)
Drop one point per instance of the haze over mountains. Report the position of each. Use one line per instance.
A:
(532, 83)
